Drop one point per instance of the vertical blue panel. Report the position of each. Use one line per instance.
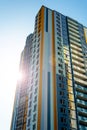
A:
(46, 19)
(48, 117)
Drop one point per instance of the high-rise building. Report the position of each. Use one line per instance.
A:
(52, 95)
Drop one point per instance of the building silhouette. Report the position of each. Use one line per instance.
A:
(52, 95)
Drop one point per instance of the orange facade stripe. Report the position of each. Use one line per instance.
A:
(41, 69)
(54, 74)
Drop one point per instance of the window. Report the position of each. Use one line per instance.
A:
(36, 82)
(29, 112)
(30, 95)
(37, 62)
(62, 109)
(58, 53)
(60, 65)
(35, 90)
(62, 93)
(60, 71)
(63, 119)
(29, 122)
(35, 106)
(35, 99)
(34, 117)
(63, 128)
(61, 85)
(30, 104)
(36, 75)
(61, 78)
(34, 127)
(62, 101)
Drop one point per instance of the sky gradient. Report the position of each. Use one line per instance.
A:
(16, 23)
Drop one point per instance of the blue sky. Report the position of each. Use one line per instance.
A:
(16, 22)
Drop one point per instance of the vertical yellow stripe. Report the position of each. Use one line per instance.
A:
(54, 74)
(41, 66)
(85, 33)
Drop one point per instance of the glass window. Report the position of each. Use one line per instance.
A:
(35, 106)
(29, 122)
(34, 127)
(29, 112)
(63, 119)
(62, 101)
(34, 117)
(62, 93)
(62, 109)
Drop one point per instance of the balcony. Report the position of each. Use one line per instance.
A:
(81, 98)
(77, 63)
(74, 38)
(76, 52)
(74, 34)
(81, 105)
(82, 114)
(73, 26)
(83, 123)
(72, 22)
(78, 69)
(73, 30)
(81, 90)
(79, 81)
(75, 43)
(75, 47)
(77, 58)
(79, 75)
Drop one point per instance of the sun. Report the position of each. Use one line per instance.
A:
(19, 76)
